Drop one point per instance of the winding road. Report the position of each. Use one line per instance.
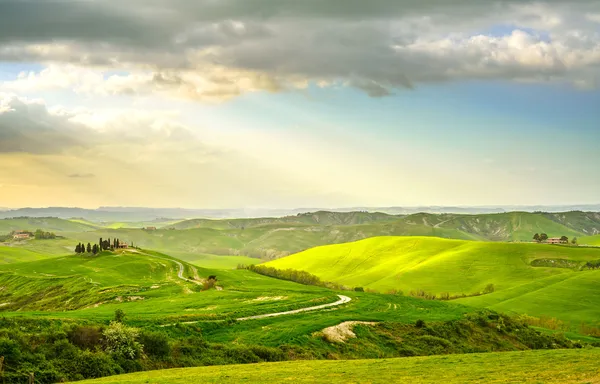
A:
(343, 300)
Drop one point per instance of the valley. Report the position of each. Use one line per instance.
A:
(390, 286)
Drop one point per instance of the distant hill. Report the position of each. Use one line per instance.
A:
(514, 226)
(314, 218)
(51, 224)
(140, 214)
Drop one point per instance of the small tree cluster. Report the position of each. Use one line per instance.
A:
(41, 235)
(540, 237)
(82, 248)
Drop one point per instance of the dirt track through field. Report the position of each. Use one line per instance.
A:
(343, 300)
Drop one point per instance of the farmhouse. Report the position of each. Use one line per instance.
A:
(21, 236)
(150, 228)
(554, 240)
(123, 245)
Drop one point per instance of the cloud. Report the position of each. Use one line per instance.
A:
(82, 175)
(216, 50)
(28, 126)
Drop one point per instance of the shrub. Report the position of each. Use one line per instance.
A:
(420, 324)
(122, 340)
(155, 344)
(489, 288)
(85, 337)
(359, 289)
(119, 316)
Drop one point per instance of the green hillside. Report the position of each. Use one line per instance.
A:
(510, 367)
(590, 240)
(17, 255)
(571, 297)
(50, 224)
(513, 226)
(432, 264)
(457, 267)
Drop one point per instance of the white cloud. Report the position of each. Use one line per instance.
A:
(231, 48)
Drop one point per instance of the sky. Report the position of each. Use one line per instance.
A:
(299, 103)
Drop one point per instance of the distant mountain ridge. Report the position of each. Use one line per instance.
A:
(106, 214)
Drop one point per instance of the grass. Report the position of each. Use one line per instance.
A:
(10, 255)
(214, 261)
(454, 266)
(558, 366)
(571, 297)
(590, 240)
(431, 264)
(49, 224)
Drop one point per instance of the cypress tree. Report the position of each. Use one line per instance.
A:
(89, 248)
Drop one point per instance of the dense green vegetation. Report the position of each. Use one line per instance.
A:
(58, 350)
(515, 367)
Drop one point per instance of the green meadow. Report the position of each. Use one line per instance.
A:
(459, 267)
(580, 366)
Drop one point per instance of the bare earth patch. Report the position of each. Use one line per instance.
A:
(269, 298)
(342, 332)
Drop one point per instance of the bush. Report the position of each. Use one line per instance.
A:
(155, 344)
(122, 340)
(86, 337)
(420, 324)
(359, 289)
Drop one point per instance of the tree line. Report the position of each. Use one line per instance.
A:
(592, 265)
(301, 277)
(102, 245)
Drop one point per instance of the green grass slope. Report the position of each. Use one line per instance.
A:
(49, 224)
(559, 366)
(146, 285)
(571, 297)
(10, 255)
(590, 240)
(431, 264)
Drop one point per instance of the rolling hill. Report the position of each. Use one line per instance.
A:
(324, 218)
(590, 240)
(458, 267)
(50, 224)
(512, 367)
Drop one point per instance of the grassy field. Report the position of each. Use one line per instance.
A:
(209, 261)
(590, 240)
(559, 366)
(49, 224)
(10, 255)
(457, 267)
(571, 297)
(431, 264)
